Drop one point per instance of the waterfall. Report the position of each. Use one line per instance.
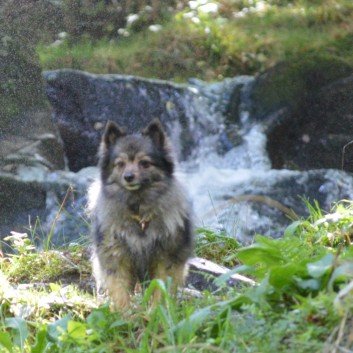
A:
(221, 136)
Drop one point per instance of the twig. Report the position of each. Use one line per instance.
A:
(334, 265)
(340, 333)
(344, 151)
(257, 198)
(68, 192)
(191, 346)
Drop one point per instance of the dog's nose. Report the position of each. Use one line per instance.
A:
(129, 176)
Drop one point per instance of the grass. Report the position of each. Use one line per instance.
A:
(241, 38)
(302, 300)
(51, 265)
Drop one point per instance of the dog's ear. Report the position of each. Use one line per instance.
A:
(156, 133)
(159, 138)
(111, 133)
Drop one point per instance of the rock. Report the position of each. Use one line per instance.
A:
(49, 206)
(306, 109)
(44, 150)
(289, 84)
(20, 74)
(321, 134)
(23, 202)
(83, 103)
(29, 154)
(229, 97)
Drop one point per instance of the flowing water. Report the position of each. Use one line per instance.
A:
(219, 169)
(229, 175)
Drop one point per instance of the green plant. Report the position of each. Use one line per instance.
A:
(217, 247)
(28, 265)
(301, 302)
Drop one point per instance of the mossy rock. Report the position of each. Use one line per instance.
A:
(20, 79)
(22, 24)
(289, 84)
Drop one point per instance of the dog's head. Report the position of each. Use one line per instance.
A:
(135, 161)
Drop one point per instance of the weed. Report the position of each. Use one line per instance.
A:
(28, 265)
(217, 247)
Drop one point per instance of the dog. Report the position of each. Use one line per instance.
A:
(141, 216)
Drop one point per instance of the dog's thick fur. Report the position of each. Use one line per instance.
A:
(142, 226)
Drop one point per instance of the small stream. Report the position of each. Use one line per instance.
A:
(220, 135)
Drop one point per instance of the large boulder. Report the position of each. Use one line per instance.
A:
(291, 83)
(306, 107)
(23, 24)
(49, 206)
(20, 79)
(318, 135)
(84, 102)
(34, 185)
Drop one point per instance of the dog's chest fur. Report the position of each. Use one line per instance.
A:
(140, 225)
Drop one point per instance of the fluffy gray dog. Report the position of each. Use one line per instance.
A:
(142, 226)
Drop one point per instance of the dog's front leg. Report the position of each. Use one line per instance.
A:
(120, 286)
(177, 273)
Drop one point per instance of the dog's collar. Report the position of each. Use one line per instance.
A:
(142, 221)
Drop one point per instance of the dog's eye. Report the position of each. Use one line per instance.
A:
(120, 164)
(145, 164)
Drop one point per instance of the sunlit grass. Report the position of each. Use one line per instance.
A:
(27, 264)
(219, 46)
